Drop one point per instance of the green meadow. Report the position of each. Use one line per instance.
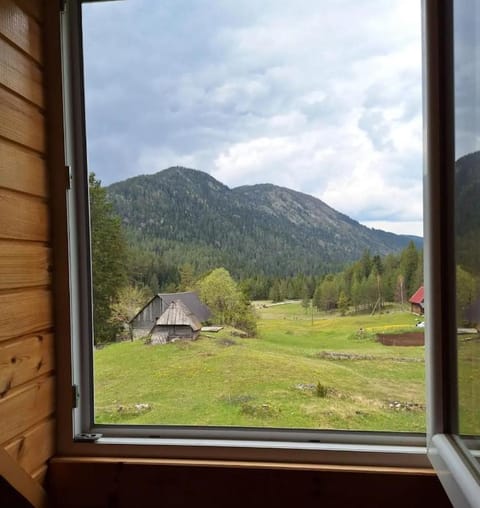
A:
(303, 370)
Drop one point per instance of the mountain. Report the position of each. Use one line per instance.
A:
(188, 216)
(467, 211)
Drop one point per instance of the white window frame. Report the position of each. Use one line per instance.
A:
(218, 443)
(457, 469)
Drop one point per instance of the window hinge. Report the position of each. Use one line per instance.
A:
(68, 173)
(75, 396)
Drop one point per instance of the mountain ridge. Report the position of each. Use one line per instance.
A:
(250, 229)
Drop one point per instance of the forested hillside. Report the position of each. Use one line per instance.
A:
(188, 217)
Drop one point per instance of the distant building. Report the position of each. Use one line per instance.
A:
(144, 321)
(417, 301)
(177, 322)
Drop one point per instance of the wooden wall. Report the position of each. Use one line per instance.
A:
(26, 318)
(93, 483)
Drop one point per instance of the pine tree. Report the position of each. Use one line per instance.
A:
(108, 261)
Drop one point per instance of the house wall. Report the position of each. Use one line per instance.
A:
(143, 323)
(27, 337)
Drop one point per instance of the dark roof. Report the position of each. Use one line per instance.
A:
(418, 296)
(190, 300)
(179, 314)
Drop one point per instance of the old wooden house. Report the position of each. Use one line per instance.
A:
(417, 301)
(177, 322)
(143, 322)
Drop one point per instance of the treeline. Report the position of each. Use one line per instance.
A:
(126, 275)
(370, 281)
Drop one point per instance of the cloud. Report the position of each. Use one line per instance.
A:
(292, 93)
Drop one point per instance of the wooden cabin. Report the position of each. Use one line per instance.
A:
(177, 322)
(417, 301)
(146, 318)
(39, 462)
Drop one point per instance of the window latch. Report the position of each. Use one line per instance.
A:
(68, 175)
(75, 396)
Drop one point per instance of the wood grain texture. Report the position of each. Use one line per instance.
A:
(23, 217)
(21, 29)
(22, 408)
(20, 74)
(21, 121)
(40, 475)
(34, 447)
(126, 485)
(22, 482)
(24, 313)
(33, 8)
(22, 170)
(25, 359)
(24, 265)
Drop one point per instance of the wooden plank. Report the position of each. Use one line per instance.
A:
(33, 448)
(25, 406)
(33, 8)
(25, 359)
(21, 121)
(24, 265)
(25, 313)
(23, 217)
(21, 481)
(21, 29)
(40, 474)
(22, 170)
(125, 485)
(20, 74)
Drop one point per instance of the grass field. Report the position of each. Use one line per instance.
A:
(328, 372)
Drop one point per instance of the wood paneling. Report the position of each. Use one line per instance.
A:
(40, 474)
(23, 217)
(20, 28)
(33, 8)
(34, 447)
(121, 484)
(25, 313)
(14, 480)
(24, 265)
(21, 121)
(23, 407)
(22, 170)
(27, 399)
(25, 359)
(20, 74)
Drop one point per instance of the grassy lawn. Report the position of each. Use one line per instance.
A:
(296, 373)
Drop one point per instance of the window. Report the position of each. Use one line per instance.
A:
(332, 447)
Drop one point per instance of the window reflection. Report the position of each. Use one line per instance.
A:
(467, 196)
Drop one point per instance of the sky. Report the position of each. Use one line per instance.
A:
(321, 96)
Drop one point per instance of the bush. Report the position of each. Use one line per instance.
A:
(321, 390)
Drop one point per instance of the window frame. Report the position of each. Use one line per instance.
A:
(453, 463)
(287, 445)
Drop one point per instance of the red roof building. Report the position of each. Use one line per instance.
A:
(417, 301)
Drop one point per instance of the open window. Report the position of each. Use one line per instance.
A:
(331, 446)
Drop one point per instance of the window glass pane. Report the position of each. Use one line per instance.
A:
(467, 194)
(256, 211)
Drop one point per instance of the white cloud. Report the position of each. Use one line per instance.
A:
(293, 93)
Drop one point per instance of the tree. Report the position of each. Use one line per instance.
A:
(220, 293)
(130, 299)
(108, 261)
(342, 303)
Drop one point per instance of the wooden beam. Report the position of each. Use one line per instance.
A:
(21, 481)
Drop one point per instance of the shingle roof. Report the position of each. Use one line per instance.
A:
(190, 300)
(418, 296)
(178, 314)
